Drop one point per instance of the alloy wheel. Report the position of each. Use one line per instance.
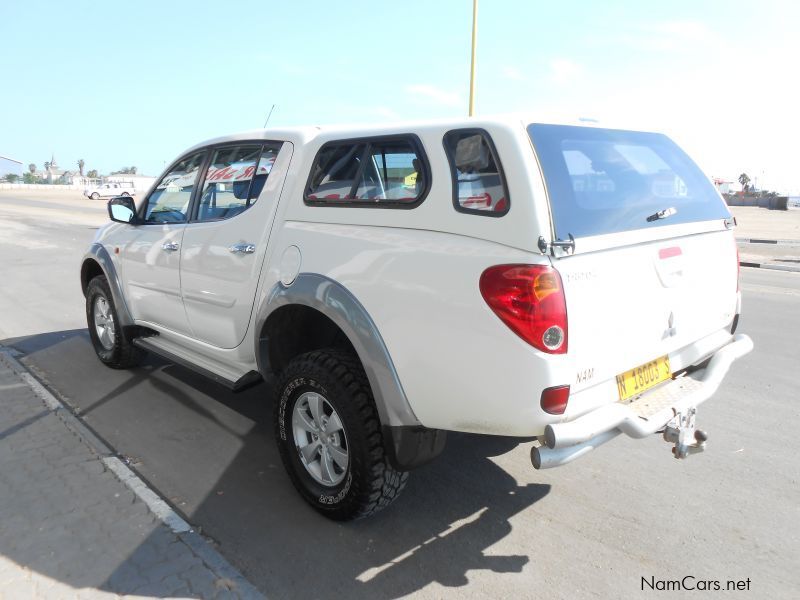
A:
(320, 439)
(104, 323)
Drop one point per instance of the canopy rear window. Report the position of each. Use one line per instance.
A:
(604, 181)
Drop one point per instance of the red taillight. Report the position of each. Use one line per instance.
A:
(530, 300)
(554, 400)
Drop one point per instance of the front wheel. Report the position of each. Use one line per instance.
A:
(95, 196)
(112, 345)
(329, 437)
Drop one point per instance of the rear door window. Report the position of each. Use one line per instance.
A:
(604, 181)
(379, 172)
(478, 183)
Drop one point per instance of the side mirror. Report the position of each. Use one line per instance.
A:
(122, 210)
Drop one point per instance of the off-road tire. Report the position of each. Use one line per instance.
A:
(123, 354)
(370, 483)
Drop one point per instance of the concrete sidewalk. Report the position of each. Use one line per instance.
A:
(75, 522)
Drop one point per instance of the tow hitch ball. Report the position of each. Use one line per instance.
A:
(682, 432)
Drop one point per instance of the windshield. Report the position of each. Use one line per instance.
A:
(604, 181)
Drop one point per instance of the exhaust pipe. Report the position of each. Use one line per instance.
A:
(543, 457)
(678, 400)
(689, 392)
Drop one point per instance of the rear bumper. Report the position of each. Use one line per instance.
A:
(564, 442)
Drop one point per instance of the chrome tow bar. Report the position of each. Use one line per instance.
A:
(683, 433)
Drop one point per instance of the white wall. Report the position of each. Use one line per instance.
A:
(40, 186)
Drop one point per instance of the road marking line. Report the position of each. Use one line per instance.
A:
(11, 386)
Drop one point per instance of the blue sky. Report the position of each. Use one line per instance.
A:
(134, 83)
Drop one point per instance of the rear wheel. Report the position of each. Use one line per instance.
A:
(111, 343)
(95, 196)
(329, 437)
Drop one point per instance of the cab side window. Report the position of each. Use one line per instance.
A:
(169, 202)
(234, 180)
(385, 172)
(479, 186)
(392, 171)
(335, 171)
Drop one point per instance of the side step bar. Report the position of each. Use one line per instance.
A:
(245, 381)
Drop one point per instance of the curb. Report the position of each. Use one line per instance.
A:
(162, 511)
(771, 266)
(762, 241)
(156, 505)
(55, 405)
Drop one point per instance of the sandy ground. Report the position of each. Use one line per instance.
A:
(761, 223)
(767, 224)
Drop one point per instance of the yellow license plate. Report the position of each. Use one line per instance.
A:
(634, 382)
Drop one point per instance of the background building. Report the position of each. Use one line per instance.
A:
(9, 165)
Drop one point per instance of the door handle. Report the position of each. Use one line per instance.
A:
(169, 246)
(242, 248)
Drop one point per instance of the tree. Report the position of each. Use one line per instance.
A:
(125, 171)
(32, 168)
(81, 164)
(92, 174)
(744, 180)
(11, 177)
(28, 177)
(47, 166)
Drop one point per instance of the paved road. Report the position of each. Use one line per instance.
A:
(480, 522)
(42, 242)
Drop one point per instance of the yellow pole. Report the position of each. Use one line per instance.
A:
(472, 65)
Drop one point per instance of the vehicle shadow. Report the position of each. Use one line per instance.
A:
(212, 454)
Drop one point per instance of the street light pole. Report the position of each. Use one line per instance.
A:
(472, 65)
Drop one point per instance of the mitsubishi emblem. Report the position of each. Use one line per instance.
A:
(671, 330)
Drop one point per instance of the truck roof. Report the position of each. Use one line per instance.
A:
(304, 134)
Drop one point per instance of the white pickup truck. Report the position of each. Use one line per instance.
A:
(493, 276)
(110, 190)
